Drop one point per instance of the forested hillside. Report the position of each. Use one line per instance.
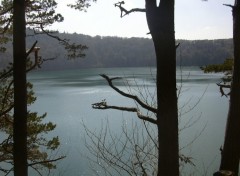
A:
(124, 52)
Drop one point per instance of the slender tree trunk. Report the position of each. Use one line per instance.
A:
(20, 90)
(161, 24)
(231, 148)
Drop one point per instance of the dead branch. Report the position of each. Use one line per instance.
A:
(107, 152)
(177, 45)
(103, 105)
(186, 159)
(37, 59)
(125, 11)
(228, 5)
(141, 103)
(221, 87)
(124, 153)
(32, 49)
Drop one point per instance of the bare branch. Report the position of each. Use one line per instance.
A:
(222, 86)
(125, 153)
(229, 5)
(46, 161)
(125, 11)
(141, 103)
(186, 159)
(177, 45)
(74, 50)
(32, 48)
(103, 105)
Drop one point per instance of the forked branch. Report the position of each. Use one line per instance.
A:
(222, 86)
(134, 97)
(125, 11)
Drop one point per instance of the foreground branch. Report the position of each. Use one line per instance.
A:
(222, 86)
(125, 11)
(103, 105)
(141, 103)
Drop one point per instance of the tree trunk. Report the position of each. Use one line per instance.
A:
(20, 90)
(161, 24)
(231, 148)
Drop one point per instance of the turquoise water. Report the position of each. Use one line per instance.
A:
(67, 96)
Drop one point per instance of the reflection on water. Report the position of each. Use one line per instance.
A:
(91, 77)
(67, 97)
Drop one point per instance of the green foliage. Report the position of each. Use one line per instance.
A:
(226, 66)
(39, 15)
(39, 145)
(81, 5)
(73, 50)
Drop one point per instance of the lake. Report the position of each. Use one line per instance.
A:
(67, 96)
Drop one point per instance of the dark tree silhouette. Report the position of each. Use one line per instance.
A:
(161, 24)
(231, 148)
(160, 19)
(20, 89)
(15, 16)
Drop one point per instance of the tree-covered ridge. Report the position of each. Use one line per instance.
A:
(205, 52)
(125, 52)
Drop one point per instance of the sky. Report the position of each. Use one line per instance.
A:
(194, 19)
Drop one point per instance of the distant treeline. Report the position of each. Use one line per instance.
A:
(123, 52)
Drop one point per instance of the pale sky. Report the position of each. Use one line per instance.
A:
(194, 19)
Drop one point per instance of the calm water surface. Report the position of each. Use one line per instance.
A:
(67, 96)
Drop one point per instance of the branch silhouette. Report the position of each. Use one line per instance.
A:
(125, 11)
(134, 97)
(103, 105)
